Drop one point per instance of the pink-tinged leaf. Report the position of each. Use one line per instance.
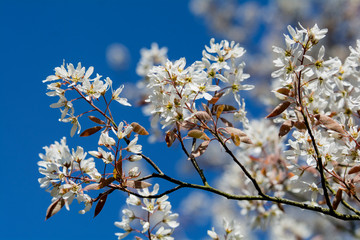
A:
(170, 137)
(54, 208)
(238, 136)
(137, 184)
(246, 140)
(226, 122)
(279, 109)
(337, 199)
(90, 131)
(219, 110)
(330, 123)
(94, 186)
(356, 179)
(206, 108)
(100, 204)
(300, 125)
(200, 149)
(236, 131)
(216, 97)
(139, 129)
(299, 115)
(188, 125)
(354, 169)
(285, 128)
(96, 120)
(202, 115)
(198, 134)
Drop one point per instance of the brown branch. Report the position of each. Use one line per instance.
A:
(246, 172)
(319, 160)
(181, 184)
(192, 159)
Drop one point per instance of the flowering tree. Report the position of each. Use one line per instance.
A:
(304, 156)
(258, 25)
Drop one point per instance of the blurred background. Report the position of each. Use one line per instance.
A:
(38, 35)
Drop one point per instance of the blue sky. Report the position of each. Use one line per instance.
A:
(35, 37)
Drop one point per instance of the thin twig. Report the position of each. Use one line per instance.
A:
(208, 188)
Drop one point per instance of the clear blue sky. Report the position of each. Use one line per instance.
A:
(35, 37)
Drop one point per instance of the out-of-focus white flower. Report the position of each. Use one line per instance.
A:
(213, 234)
(118, 56)
(151, 57)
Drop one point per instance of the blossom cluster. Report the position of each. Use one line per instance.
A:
(151, 214)
(78, 79)
(323, 94)
(173, 89)
(68, 174)
(57, 166)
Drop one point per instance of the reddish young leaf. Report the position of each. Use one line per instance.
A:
(90, 131)
(198, 134)
(246, 140)
(300, 125)
(283, 91)
(202, 115)
(285, 128)
(216, 97)
(330, 123)
(170, 137)
(236, 131)
(105, 182)
(139, 129)
(200, 149)
(337, 199)
(54, 208)
(226, 122)
(354, 169)
(188, 125)
(280, 206)
(137, 184)
(206, 108)
(279, 109)
(100, 204)
(96, 120)
(238, 136)
(356, 179)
